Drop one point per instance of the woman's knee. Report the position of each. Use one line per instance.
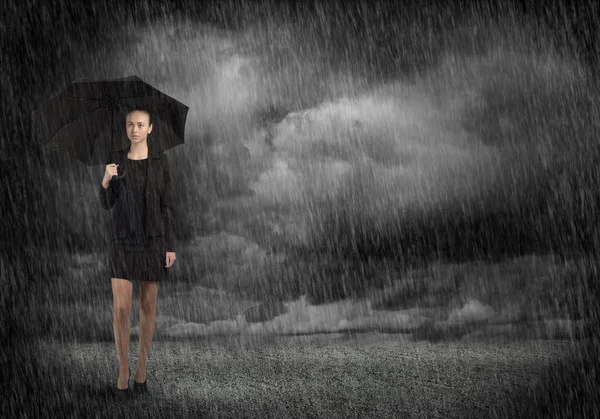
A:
(148, 299)
(122, 295)
(122, 309)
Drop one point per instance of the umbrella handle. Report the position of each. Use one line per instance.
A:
(121, 175)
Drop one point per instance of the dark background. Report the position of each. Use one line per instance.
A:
(38, 37)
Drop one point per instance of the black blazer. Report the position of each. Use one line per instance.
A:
(160, 217)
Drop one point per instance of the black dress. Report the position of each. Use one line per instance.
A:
(137, 257)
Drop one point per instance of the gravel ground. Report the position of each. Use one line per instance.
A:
(365, 376)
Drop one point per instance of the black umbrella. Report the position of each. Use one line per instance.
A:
(88, 118)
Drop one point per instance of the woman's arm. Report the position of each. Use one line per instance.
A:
(107, 195)
(166, 205)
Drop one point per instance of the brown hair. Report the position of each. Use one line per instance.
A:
(142, 109)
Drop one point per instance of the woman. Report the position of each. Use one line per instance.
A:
(142, 244)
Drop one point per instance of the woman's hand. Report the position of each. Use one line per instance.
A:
(111, 170)
(170, 259)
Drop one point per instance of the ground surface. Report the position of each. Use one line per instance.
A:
(365, 376)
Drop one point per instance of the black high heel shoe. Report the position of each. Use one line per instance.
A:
(140, 388)
(123, 393)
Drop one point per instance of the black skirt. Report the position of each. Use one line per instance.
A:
(137, 257)
(139, 261)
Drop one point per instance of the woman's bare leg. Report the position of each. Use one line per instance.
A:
(122, 296)
(148, 294)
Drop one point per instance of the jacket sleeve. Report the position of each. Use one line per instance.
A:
(166, 205)
(108, 196)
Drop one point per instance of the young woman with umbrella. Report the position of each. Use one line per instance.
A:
(83, 120)
(136, 254)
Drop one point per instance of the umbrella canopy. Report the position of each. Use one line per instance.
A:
(87, 119)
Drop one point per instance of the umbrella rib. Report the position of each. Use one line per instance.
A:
(103, 98)
(144, 96)
(166, 123)
(82, 98)
(74, 120)
(119, 97)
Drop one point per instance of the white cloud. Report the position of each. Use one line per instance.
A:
(302, 317)
(472, 311)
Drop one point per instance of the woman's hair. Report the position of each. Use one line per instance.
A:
(141, 109)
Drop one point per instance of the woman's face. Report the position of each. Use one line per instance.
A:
(138, 126)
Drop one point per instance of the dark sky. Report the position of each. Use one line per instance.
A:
(39, 37)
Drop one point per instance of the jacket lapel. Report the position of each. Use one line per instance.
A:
(151, 183)
(151, 172)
